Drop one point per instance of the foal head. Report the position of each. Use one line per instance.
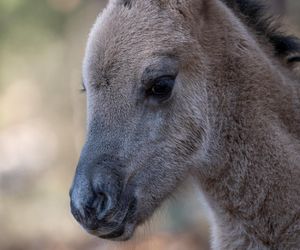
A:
(145, 73)
(143, 124)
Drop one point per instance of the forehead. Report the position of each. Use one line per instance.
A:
(126, 38)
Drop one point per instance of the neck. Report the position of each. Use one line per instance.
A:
(252, 178)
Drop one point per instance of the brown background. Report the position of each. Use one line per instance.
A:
(42, 118)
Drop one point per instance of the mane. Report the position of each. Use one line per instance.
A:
(258, 17)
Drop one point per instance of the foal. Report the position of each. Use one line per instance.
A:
(191, 87)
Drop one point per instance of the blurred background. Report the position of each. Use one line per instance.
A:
(42, 121)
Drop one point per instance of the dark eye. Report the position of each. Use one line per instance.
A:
(161, 88)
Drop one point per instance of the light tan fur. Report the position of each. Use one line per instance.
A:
(233, 120)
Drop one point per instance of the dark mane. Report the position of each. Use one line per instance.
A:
(257, 16)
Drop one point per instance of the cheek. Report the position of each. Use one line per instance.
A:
(185, 136)
(149, 127)
(156, 126)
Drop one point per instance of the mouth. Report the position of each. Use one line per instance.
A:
(123, 233)
(117, 231)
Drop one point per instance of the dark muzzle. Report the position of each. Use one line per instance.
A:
(100, 202)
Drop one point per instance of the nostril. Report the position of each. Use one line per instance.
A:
(102, 205)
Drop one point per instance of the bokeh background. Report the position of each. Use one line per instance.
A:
(42, 121)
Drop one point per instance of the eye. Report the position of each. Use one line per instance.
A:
(161, 88)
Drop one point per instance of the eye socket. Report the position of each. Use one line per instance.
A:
(161, 88)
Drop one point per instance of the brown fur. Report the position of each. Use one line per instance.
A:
(233, 120)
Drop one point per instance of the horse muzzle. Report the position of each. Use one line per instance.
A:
(100, 202)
